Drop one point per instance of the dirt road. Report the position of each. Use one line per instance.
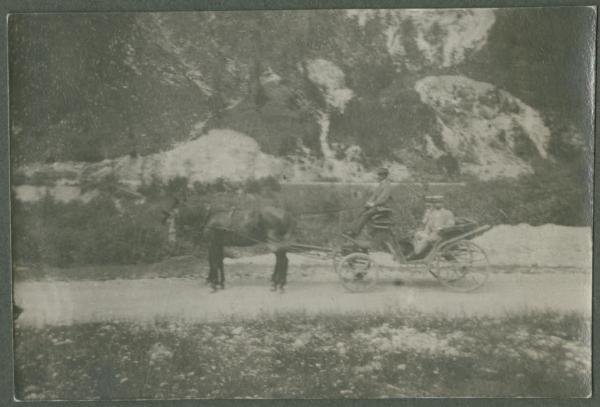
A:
(148, 300)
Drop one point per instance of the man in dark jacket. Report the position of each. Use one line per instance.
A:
(379, 199)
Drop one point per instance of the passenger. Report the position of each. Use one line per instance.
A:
(437, 219)
(421, 234)
(428, 210)
(378, 201)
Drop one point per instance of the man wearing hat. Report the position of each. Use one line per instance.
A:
(436, 219)
(378, 200)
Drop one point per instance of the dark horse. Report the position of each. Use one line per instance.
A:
(239, 228)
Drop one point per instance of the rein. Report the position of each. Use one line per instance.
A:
(348, 209)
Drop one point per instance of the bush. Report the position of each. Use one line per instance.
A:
(76, 233)
(551, 195)
(18, 178)
(152, 189)
(177, 186)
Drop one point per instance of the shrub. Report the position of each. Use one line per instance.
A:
(152, 189)
(177, 186)
(551, 195)
(76, 233)
(18, 178)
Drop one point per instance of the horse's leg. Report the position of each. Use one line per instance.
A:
(220, 266)
(211, 267)
(280, 273)
(275, 276)
(212, 262)
(283, 270)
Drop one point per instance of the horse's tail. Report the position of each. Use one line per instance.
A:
(292, 226)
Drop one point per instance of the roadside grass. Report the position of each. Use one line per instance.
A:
(187, 266)
(297, 355)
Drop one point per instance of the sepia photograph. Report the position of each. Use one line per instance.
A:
(302, 204)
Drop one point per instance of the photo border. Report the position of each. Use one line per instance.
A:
(57, 6)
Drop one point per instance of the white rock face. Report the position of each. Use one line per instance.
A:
(331, 79)
(443, 38)
(482, 125)
(60, 193)
(222, 153)
(219, 154)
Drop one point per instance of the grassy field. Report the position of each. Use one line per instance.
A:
(298, 356)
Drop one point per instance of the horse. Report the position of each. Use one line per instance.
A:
(240, 227)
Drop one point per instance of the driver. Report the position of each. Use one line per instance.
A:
(378, 201)
(435, 220)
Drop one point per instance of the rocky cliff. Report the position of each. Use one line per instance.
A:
(300, 95)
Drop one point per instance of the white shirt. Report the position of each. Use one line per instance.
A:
(439, 219)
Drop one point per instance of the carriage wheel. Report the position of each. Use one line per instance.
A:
(462, 266)
(357, 272)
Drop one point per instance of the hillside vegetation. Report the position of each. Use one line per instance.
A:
(321, 88)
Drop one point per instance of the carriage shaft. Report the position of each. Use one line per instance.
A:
(298, 246)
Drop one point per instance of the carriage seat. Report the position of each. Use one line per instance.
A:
(461, 226)
(382, 219)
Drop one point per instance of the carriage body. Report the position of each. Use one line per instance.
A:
(454, 260)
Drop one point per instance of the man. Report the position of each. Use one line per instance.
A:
(437, 219)
(379, 199)
(428, 210)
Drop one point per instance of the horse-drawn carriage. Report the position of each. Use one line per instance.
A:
(454, 259)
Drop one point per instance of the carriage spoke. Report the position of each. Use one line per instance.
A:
(462, 266)
(357, 272)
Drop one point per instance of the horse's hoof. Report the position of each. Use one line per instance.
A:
(281, 290)
(274, 288)
(213, 290)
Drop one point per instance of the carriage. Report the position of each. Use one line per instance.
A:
(454, 260)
